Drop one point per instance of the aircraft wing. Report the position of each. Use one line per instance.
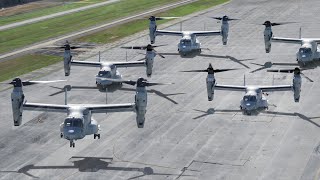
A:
(276, 88)
(229, 87)
(286, 40)
(170, 33)
(86, 63)
(317, 40)
(206, 33)
(45, 107)
(103, 108)
(129, 64)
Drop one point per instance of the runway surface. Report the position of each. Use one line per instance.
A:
(191, 139)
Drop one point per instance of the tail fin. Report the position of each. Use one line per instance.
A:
(300, 33)
(66, 89)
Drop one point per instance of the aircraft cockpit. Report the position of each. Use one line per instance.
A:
(105, 74)
(185, 42)
(249, 98)
(304, 50)
(73, 122)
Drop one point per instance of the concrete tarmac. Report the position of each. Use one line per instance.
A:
(194, 138)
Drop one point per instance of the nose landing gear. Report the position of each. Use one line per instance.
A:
(96, 135)
(72, 144)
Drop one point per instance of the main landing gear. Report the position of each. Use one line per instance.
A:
(96, 136)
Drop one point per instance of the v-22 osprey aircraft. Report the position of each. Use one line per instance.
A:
(308, 51)
(254, 97)
(108, 69)
(79, 122)
(189, 42)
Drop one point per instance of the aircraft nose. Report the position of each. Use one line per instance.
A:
(71, 133)
(103, 82)
(305, 57)
(250, 105)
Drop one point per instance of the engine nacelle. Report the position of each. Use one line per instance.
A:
(67, 62)
(267, 39)
(149, 62)
(296, 87)
(152, 31)
(141, 105)
(210, 86)
(17, 98)
(224, 32)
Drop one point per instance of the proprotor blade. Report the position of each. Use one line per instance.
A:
(269, 23)
(26, 83)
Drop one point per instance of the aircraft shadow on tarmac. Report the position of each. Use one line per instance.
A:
(194, 54)
(212, 111)
(115, 88)
(90, 164)
(269, 64)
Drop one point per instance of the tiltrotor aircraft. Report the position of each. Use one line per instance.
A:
(109, 69)
(254, 97)
(189, 42)
(224, 27)
(308, 51)
(79, 121)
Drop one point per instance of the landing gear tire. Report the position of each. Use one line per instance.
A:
(72, 144)
(61, 135)
(96, 136)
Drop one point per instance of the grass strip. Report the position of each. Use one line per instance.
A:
(15, 67)
(115, 33)
(29, 34)
(45, 11)
(25, 64)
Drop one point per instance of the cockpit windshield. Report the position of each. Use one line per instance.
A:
(249, 98)
(185, 42)
(73, 122)
(106, 74)
(305, 50)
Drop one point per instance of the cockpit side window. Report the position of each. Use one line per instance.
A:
(68, 123)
